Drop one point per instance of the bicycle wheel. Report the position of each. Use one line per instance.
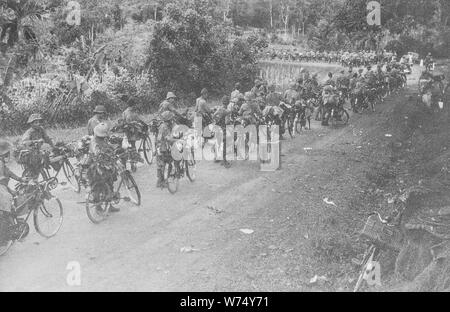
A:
(132, 190)
(191, 167)
(146, 149)
(191, 170)
(69, 172)
(97, 203)
(172, 179)
(48, 217)
(368, 256)
(345, 116)
(5, 244)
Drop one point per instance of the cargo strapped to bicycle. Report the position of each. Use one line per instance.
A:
(381, 234)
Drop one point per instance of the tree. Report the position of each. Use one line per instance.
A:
(16, 20)
(301, 13)
(285, 12)
(189, 52)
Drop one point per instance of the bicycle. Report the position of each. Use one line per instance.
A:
(33, 160)
(59, 160)
(339, 115)
(184, 167)
(31, 198)
(101, 196)
(128, 153)
(141, 131)
(383, 235)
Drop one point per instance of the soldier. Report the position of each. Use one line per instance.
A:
(256, 88)
(6, 197)
(36, 132)
(164, 142)
(273, 98)
(201, 108)
(168, 104)
(99, 117)
(291, 95)
(99, 145)
(129, 116)
(221, 117)
(237, 91)
(249, 109)
(330, 81)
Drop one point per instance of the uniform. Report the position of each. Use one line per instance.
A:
(92, 123)
(273, 99)
(163, 142)
(202, 110)
(235, 95)
(291, 96)
(221, 116)
(166, 106)
(34, 134)
(5, 195)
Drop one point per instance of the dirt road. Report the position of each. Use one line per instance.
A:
(138, 249)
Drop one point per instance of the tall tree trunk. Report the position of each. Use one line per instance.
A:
(9, 72)
(271, 14)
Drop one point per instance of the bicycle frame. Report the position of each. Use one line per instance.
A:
(35, 197)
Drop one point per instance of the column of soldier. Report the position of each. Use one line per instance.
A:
(344, 58)
(305, 98)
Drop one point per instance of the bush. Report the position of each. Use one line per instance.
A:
(188, 53)
(41, 94)
(396, 46)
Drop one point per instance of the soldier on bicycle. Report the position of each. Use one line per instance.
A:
(164, 141)
(101, 148)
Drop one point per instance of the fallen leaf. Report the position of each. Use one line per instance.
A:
(328, 202)
(247, 231)
(318, 279)
(188, 249)
(214, 209)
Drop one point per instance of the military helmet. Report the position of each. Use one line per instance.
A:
(170, 95)
(100, 109)
(34, 117)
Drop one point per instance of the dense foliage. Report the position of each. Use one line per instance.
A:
(189, 52)
(144, 48)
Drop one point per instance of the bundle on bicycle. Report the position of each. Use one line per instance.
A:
(127, 152)
(31, 198)
(104, 171)
(137, 131)
(33, 160)
(383, 235)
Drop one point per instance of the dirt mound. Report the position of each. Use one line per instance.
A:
(419, 167)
